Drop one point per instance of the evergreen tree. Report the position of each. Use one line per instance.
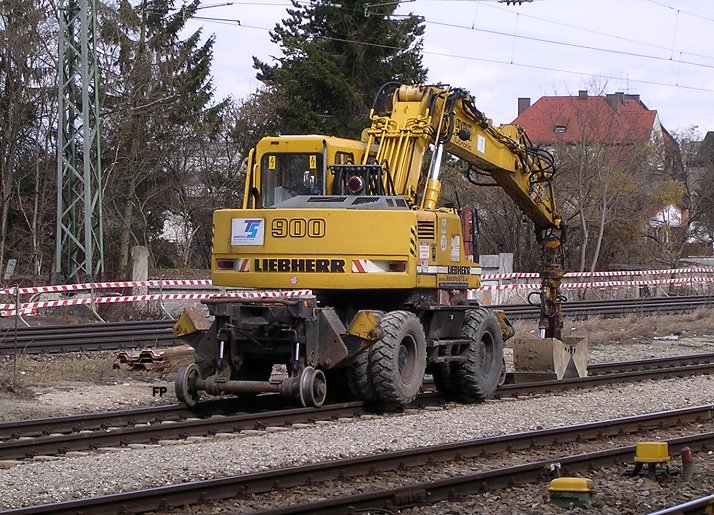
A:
(336, 56)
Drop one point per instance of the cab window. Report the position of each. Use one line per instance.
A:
(286, 175)
(344, 158)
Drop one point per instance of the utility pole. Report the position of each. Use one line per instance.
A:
(79, 254)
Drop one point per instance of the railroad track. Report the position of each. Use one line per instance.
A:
(614, 308)
(424, 492)
(88, 337)
(121, 335)
(56, 436)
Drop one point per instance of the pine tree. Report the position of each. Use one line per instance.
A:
(336, 56)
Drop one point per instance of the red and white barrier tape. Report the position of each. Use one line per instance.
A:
(207, 282)
(30, 307)
(105, 285)
(600, 284)
(619, 273)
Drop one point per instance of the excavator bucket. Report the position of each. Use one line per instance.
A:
(546, 359)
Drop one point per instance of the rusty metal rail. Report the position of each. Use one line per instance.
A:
(87, 337)
(122, 436)
(120, 428)
(614, 308)
(165, 497)
(697, 506)
(431, 492)
(604, 379)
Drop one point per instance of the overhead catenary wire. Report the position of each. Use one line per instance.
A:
(662, 4)
(514, 62)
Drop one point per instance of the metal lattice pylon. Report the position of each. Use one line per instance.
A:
(79, 243)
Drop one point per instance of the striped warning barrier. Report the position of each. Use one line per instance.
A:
(31, 307)
(28, 308)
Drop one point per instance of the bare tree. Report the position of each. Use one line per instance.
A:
(27, 124)
(159, 89)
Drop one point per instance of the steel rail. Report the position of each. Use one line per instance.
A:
(50, 445)
(49, 441)
(162, 498)
(104, 420)
(699, 506)
(613, 308)
(431, 492)
(514, 390)
(87, 337)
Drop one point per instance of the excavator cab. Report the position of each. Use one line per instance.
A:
(285, 167)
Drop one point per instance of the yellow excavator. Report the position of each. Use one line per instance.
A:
(375, 272)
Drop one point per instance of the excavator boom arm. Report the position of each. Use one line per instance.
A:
(448, 119)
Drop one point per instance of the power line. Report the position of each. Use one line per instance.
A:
(543, 40)
(574, 45)
(593, 31)
(680, 10)
(481, 59)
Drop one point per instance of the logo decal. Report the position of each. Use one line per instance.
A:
(251, 227)
(247, 231)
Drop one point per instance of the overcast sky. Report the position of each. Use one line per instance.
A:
(659, 49)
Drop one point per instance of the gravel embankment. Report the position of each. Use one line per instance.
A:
(127, 469)
(615, 492)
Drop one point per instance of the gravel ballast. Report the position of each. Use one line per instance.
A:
(128, 469)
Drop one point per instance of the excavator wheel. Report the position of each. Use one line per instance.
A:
(480, 374)
(359, 376)
(397, 361)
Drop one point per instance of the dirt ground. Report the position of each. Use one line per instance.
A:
(33, 386)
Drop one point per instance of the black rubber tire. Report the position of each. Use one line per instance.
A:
(398, 360)
(359, 378)
(446, 379)
(479, 375)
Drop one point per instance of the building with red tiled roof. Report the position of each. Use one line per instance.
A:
(616, 118)
(610, 143)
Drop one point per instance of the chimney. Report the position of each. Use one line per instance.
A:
(583, 94)
(615, 99)
(523, 104)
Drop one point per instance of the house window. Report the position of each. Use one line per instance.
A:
(559, 129)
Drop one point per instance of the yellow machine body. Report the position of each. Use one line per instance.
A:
(359, 223)
(341, 249)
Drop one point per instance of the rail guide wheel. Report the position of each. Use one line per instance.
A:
(185, 385)
(313, 387)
